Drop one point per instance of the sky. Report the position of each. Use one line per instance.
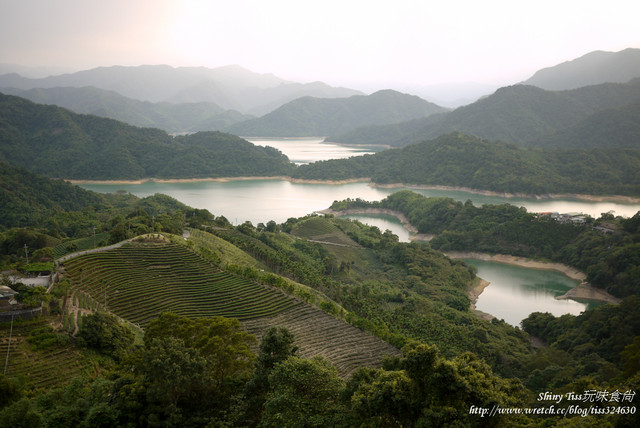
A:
(349, 43)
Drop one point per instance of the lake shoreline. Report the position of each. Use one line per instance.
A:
(581, 197)
(473, 293)
(551, 196)
(519, 261)
(582, 291)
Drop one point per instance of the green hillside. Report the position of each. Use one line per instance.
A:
(520, 114)
(611, 128)
(170, 117)
(399, 292)
(39, 356)
(308, 116)
(590, 69)
(74, 146)
(460, 160)
(27, 198)
(139, 281)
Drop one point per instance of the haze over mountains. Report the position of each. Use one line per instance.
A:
(170, 117)
(590, 69)
(233, 99)
(525, 115)
(231, 87)
(310, 116)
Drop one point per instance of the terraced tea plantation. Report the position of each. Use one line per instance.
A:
(138, 281)
(317, 333)
(53, 365)
(319, 229)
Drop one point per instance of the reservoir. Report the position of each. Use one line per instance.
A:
(259, 201)
(514, 292)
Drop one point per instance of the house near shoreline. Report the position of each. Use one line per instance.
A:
(574, 217)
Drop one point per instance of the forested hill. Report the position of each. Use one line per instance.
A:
(460, 160)
(590, 69)
(59, 143)
(525, 115)
(28, 199)
(309, 116)
(170, 117)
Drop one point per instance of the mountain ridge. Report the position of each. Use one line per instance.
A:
(157, 83)
(592, 68)
(172, 118)
(519, 114)
(310, 116)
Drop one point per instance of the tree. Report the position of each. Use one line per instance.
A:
(383, 398)
(424, 389)
(174, 378)
(31, 297)
(272, 226)
(9, 391)
(20, 414)
(105, 333)
(277, 345)
(189, 369)
(221, 341)
(304, 393)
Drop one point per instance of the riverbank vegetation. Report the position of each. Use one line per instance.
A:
(608, 255)
(460, 160)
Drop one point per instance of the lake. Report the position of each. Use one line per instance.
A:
(514, 291)
(259, 201)
(307, 150)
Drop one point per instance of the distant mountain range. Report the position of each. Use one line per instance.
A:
(172, 118)
(230, 87)
(310, 116)
(529, 116)
(591, 69)
(236, 100)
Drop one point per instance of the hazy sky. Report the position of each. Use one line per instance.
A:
(342, 42)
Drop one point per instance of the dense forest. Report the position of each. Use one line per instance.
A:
(75, 146)
(461, 160)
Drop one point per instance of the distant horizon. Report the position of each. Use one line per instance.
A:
(356, 44)
(447, 94)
